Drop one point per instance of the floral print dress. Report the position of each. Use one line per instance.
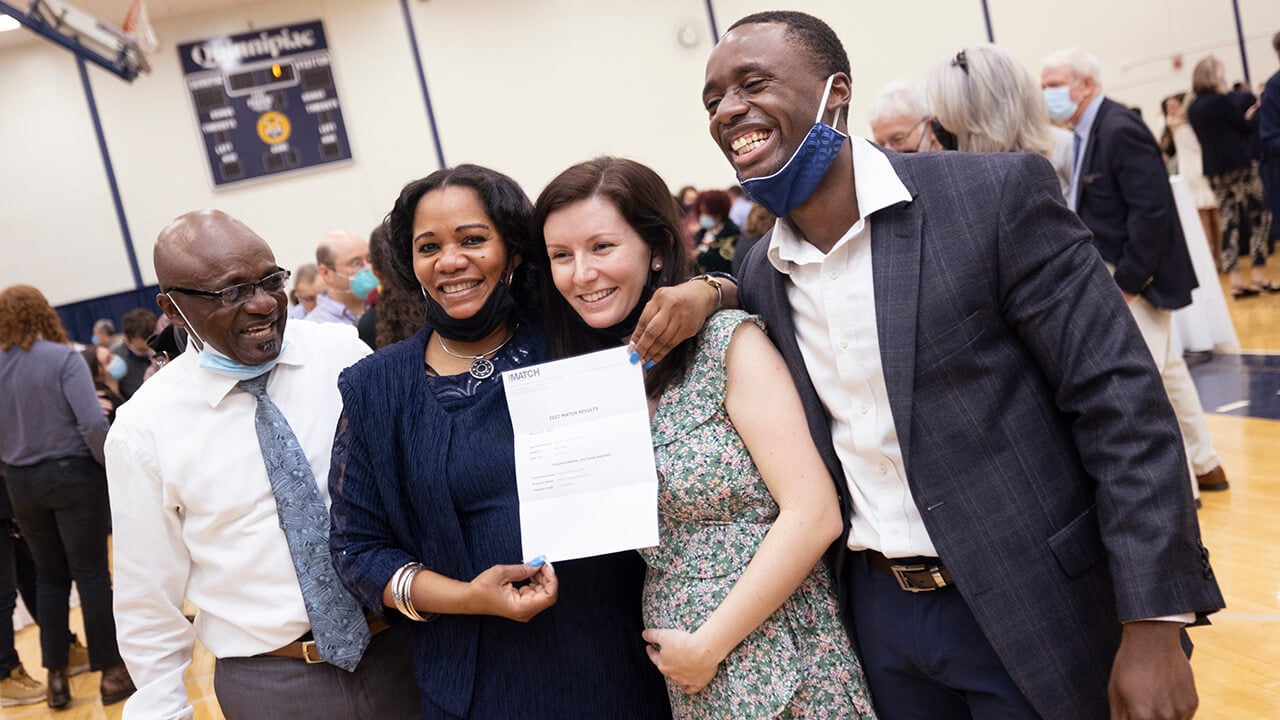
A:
(714, 510)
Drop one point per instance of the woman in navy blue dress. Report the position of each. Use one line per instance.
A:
(425, 509)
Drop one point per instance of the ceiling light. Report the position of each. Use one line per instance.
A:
(8, 23)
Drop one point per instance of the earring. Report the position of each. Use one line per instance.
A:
(657, 265)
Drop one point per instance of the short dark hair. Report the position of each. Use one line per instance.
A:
(505, 204)
(139, 323)
(1275, 42)
(642, 198)
(809, 31)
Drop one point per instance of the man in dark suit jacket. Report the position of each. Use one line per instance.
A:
(1121, 191)
(975, 385)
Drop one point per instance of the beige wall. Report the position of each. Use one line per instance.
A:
(526, 87)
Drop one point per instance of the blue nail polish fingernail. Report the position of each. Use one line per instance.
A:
(635, 357)
(649, 364)
(538, 561)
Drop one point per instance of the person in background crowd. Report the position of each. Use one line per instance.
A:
(106, 368)
(899, 119)
(398, 312)
(1182, 150)
(138, 325)
(717, 237)
(51, 438)
(759, 222)
(1269, 147)
(16, 686)
(741, 206)
(991, 103)
(343, 261)
(306, 286)
(1224, 132)
(104, 333)
(217, 471)
(740, 610)
(688, 199)
(947, 322)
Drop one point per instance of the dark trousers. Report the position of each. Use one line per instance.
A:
(61, 506)
(382, 686)
(924, 655)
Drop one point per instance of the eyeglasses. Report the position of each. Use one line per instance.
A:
(961, 62)
(237, 294)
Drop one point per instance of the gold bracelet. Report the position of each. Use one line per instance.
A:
(715, 283)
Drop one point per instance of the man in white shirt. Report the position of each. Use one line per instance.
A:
(1021, 542)
(194, 512)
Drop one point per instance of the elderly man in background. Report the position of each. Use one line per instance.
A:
(900, 119)
(217, 473)
(1120, 189)
(104, 333)
(343, 261)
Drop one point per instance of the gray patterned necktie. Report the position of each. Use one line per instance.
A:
(337, 622)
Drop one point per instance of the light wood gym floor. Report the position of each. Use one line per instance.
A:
(1236, 659)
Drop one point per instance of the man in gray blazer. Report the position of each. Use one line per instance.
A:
(1022, 541)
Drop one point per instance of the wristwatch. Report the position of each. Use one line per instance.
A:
(715, 283)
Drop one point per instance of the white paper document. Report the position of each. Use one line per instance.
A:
(584, 459)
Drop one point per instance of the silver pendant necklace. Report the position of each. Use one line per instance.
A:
(481, 366)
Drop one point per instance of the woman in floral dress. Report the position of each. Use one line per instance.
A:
(740, 610)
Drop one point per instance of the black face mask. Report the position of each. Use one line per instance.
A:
(946, 138)
(495, 311)
(620, 332)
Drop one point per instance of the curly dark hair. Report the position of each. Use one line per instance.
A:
(641, 197)
(505, 204)
(814, 34)
(401, 312)
(26, 316)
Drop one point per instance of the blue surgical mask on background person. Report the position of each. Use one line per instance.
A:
(117, 367)
(363, 282)
(216, 362)
(790, 187)
(1059, 103)
(706, 221)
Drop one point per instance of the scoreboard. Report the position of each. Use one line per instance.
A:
(265, 102)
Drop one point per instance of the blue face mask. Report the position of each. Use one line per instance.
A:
(363, 282)
(117, 367)
(706, 221)
(1058, 101)
(790, 187)
(216, 362)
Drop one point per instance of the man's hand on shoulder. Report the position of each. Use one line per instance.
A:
(1151, 678)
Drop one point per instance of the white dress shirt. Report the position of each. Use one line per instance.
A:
(194, 516)
(833, 304)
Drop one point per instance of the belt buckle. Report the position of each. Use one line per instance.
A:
(900, 574)
(307, 647)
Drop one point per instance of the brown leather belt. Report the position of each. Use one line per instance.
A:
(912, 574)
(306, 649)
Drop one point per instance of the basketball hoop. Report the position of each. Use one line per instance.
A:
(138, 24)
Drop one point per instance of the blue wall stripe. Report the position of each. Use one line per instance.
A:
(986, 15)
(422, 82)
(111, 173)
(711, 15)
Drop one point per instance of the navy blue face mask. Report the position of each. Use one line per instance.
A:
(790, 187)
